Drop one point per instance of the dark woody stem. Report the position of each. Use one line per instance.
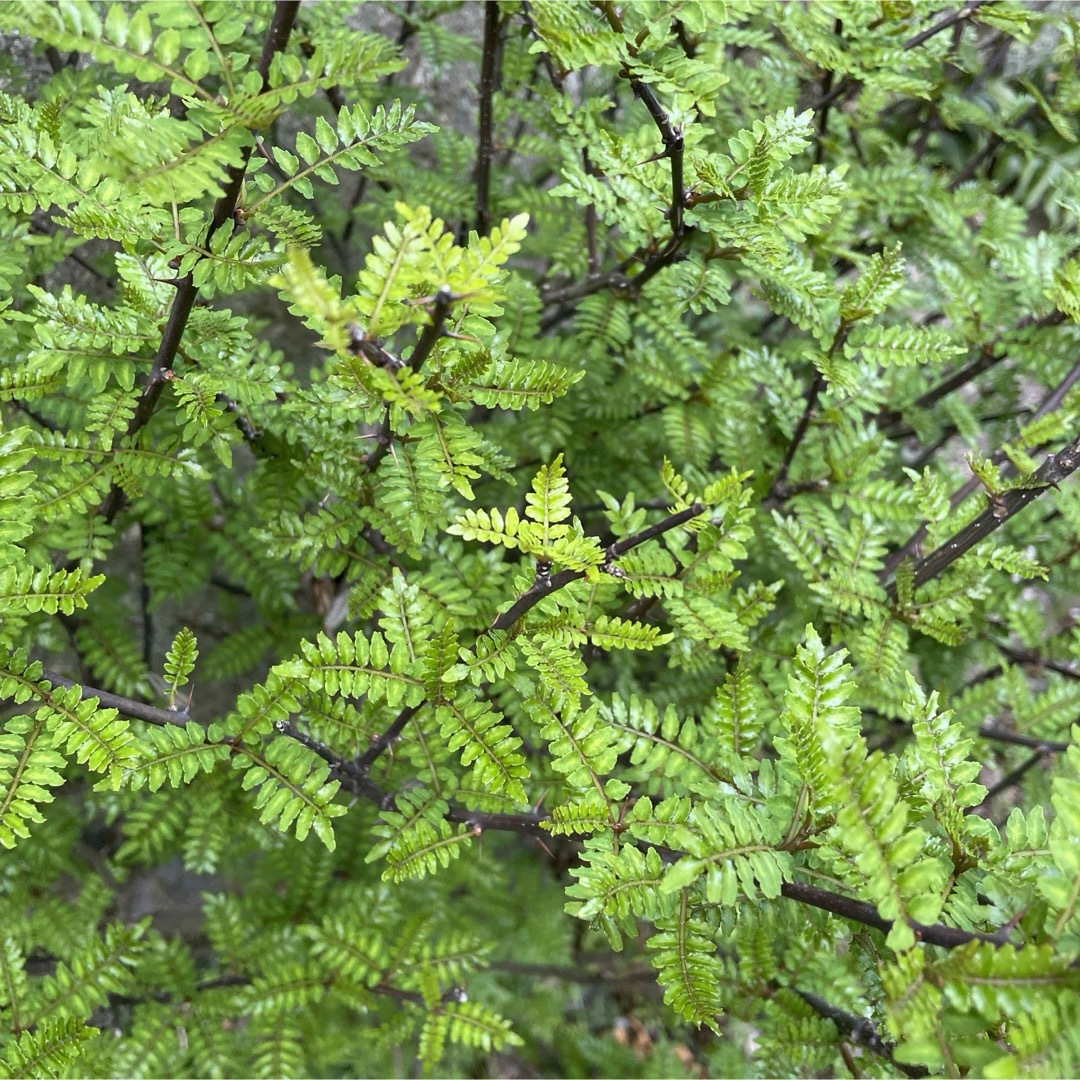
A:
(354, 777)
(277, 36)
(546, 584)
(1051, 402)
(1052, 471)
(489, 77)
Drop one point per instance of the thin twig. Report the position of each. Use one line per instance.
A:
(803, 424)
(990, 356)
(429, 336)
(1011, 779)
(435, 329)
(670, 134)
(136, 710)
(651, 257)
(1033, 660)
(41, 421)
(573, 974)
(860, 911)
(1007, 505)
(822, 116)
(355, 779)
(528, 824)
(861, 1031)
(277, 36)
(1046, 746)
(408, 28)
(593, 259)
(546, 584)
(1049, 403)
(944, 23)
(352, 778)
(813, 391)
(243, 424)
(848, 84)
(144, 601)
(383, 742)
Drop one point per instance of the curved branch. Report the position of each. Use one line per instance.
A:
(860, 1031)
(379, 746)
(1049, 403)
(813, 392)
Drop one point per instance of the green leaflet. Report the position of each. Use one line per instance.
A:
(416, 837)
(821, 728)
(486, 744)
(685, 957)
(354, 665)
(614, 889)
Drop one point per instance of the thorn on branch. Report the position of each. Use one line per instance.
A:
(372, 351)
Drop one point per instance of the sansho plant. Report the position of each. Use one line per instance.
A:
(580, 585)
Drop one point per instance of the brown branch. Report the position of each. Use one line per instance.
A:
(440, 308)
(1049, 403)
(352, 778)
(41, 421)
(489, 78)
(1011, 779)
(408, 28)
(944, 23)
(803, 424)
(589, 974)
(49, 228)
(813, 391)
(949, 937)
(849, 85)
(670, 134)
(593, 258)
(355, 779)
(976, 162)
(652, 257)
(135, 710)
(990, 356)
(382, 743)
(57, 62)
(553, 295)
(529, 824)
(1031, 659)
(243, 424)
(859, 1030)
(1007, 505)
(1043, 748)
(1046, 746)
(546, 584)
(822, 116)
(277, 36)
